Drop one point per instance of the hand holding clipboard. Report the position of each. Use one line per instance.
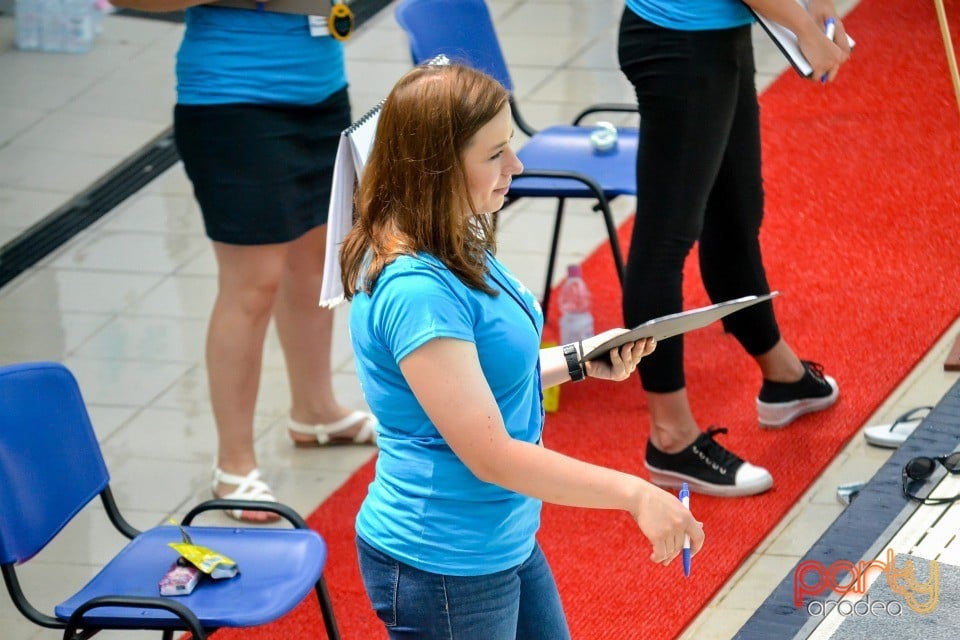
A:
(788, 43)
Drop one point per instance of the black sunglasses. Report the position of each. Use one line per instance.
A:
(921, 468)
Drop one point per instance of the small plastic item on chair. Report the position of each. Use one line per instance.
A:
(560, 161)
(51, 468)
(604, 137)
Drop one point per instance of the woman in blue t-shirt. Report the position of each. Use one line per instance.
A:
(447, 351)
(261, 101)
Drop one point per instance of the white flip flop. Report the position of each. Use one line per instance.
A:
(891, 436)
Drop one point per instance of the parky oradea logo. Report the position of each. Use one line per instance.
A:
(812, 578)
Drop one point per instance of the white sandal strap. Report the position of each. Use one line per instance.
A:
(367, 432)
(366, 425)
(301, 428)
(249, 487)
(322, 432)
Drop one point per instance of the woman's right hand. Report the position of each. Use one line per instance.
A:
(823, 54)
(664, 521)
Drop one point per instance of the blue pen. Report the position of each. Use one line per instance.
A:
(829, 30)
(685, 500)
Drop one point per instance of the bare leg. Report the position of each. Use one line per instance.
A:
(248, 281)
(672, 425)
(780, 364)
(306, 334)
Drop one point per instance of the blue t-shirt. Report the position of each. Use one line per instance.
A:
(424, 507)
(259, 57)
(693, 15)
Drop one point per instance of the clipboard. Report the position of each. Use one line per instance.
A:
(786, 41)
(676, 323)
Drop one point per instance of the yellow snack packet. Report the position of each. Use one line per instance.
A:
(214, 564)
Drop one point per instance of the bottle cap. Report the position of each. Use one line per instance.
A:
(574, 271)
(603, 137)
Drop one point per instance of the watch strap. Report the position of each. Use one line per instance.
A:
(574, 366)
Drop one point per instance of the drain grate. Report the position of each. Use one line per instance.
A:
(87, 207)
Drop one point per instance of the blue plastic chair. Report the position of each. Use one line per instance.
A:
(51, 467)
(559, 161)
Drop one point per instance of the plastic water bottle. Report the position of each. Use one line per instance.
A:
(576, 313)
(78, 25)
(53, 29)
(100, 9)
(28, 19)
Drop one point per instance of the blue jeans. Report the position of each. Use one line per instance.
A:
(521, 603)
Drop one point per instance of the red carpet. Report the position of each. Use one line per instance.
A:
(861, 236)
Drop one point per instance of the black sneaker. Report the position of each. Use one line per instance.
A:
(780, 403)
(707, 468)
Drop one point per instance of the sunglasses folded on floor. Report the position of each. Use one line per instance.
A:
(920, 469)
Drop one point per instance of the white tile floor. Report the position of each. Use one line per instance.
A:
(124, 303)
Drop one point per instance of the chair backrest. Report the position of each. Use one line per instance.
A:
(50, 461)
(460, 29)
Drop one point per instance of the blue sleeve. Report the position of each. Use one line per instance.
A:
(411, 308)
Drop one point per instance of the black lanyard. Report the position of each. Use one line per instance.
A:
(513, 293)
(518, 298)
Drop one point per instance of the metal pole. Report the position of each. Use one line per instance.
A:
(948, 45)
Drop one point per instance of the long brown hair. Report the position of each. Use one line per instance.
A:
(413, 195)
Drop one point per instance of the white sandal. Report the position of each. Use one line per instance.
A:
(249, 487)
(324, 434)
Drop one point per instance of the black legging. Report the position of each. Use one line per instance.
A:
(698, 178)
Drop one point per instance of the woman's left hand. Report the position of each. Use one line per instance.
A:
(623, 361)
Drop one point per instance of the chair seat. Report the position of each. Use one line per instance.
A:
(265, 589)
(568, 148)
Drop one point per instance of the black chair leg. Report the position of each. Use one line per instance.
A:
(326, 608)
(552, 259)
(602, 205)
(614, 240)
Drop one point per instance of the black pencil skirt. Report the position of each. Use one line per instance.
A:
(262, 174)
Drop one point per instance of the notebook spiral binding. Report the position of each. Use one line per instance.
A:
(439, 59)
(364, 118)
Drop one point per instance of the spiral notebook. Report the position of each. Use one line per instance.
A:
(355, 144)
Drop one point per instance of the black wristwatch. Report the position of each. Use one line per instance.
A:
(574, 367)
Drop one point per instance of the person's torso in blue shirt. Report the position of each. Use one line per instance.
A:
(425, 508)
(232, 56)
(692, 15)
